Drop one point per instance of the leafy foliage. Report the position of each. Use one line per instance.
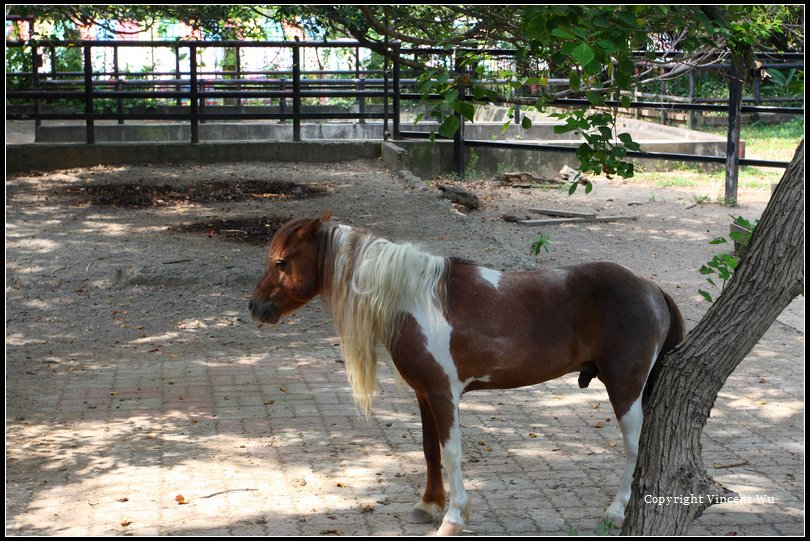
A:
(540, 242)
(595, 48)
(723, 265)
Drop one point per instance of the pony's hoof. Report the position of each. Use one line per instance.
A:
(450, 528)
(419, 516)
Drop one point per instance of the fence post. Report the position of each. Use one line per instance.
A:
(118, 86)
(360, 86)
(193, 101)
(385, 91)
(458, 138)
(734, 120)
(35, 62)
(397, 89)
(88, 94)
(692, 84)
(239, 75)
(361, 100)
(178, 87)
(296, 50)
(757, 93)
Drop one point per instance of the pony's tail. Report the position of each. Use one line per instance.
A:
(674, 337)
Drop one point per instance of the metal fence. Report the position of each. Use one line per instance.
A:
(189, 92)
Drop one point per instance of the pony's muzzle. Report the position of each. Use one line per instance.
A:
(263, 312)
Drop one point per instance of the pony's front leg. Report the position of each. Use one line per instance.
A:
(459, 512)
(432, 502)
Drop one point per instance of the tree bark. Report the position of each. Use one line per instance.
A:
(769, 276)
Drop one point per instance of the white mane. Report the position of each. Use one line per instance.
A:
(374, 283)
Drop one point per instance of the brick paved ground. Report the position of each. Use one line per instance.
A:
(129, 389)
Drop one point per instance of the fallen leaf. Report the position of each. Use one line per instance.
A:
(341, 484)
(596, 405)
(532, 435)
(368, 508)
(282, 389)
(598, 424)
(126, 522)
(181, 500)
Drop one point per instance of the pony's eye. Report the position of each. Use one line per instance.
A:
(281, 264)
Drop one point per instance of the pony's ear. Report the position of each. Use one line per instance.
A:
(308, 230)
(326, 216)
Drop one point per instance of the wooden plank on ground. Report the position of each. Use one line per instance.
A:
(565, 213)
(572, 220)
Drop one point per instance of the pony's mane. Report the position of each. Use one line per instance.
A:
(370, 284)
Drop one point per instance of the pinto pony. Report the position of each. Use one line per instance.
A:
(451, 327)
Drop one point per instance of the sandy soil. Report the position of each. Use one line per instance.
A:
(89, 288)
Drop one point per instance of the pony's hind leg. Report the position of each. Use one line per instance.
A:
(630, 424)
(625, 387)
(432, 502)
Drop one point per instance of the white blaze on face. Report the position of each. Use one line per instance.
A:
(491, 276)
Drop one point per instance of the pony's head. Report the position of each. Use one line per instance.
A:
(293, 271)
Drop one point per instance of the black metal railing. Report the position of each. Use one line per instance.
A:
(192, 89)
(192, 93)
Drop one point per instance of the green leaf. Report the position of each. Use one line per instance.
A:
(588, 187)
(618, 152)
(573, 187)
(718, 240)
(740, 237)
(583, 54)
(526, 122)
(484, 93)
(464, 108)
(595, 98)
(705, 295)
(508, 123)
(606, 45)
(730, 260)
(742, 222)
(584, 152)
(627, 139)
(449, 126)
(705, 270)
(560, 33)
(574, 81)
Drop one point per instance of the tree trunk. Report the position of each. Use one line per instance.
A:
(770, 275)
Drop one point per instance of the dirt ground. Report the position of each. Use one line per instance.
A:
(141, 399)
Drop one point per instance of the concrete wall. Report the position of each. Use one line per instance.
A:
(43, 156)
(429, 160)
(211, 131)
